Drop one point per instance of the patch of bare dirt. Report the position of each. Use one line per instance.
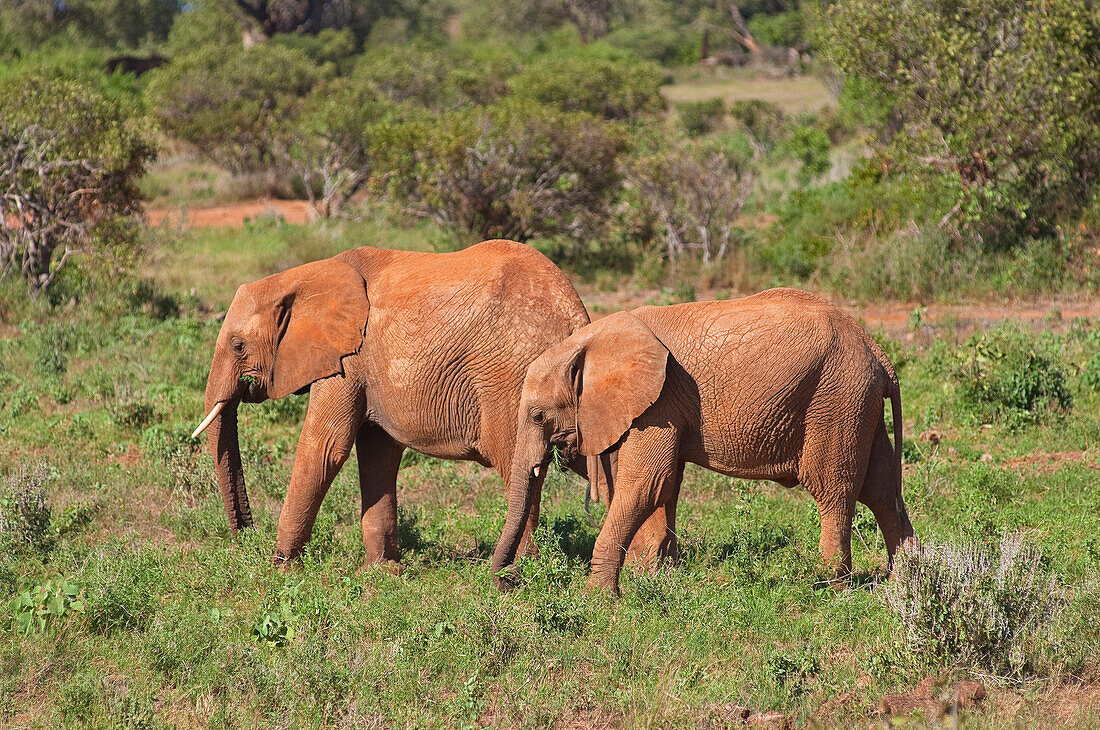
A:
(234, 215)
(934, 698)
(1046, 462)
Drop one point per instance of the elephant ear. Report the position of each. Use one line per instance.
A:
(618, 372)
(320, 319)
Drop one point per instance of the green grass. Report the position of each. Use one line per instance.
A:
(183, 624)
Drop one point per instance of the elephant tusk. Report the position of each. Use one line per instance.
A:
(210, 417)
(536, 471)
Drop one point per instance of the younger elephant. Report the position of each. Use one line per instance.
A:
(781, 385)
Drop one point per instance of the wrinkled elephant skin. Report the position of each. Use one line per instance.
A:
(396, 350)
(780, 386)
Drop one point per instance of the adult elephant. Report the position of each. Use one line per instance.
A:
(781, 386)
(396, 350)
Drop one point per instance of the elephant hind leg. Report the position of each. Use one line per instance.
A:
(379, 458)
(882, 493)
(656, 540)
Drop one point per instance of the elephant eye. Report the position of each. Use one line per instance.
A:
(238, 346)
(537, 416)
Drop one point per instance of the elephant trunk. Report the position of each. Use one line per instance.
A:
(226, 450)
(526, 475)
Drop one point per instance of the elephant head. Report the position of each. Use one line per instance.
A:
(281, 334)
(580, 396)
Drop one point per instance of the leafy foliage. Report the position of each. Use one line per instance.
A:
(997, 99)
(1002, 374)
(612, 89)
(45, 606)
(229, 102)
(510, 170)
(69, 164)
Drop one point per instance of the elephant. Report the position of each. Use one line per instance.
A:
(397, 350)
(781, 385)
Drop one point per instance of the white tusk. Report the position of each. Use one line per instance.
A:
(536, 470)
(210, 417)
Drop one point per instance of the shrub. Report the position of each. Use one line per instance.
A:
(809, 146)
(604, 87)
(696, 192)
(1004, 375)
(329, 143)
(972, 605)
(511, 170)
(69, 167)
(763, 120)
(701, 117)
(25, 513)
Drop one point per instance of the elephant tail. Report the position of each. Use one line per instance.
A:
(893, 392)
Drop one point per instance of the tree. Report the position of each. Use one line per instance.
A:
(69, 165)
(514, 170)
(996, 103)
(329, 144)
(229, 101)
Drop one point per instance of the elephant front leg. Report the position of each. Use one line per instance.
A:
(379, 458)
(332, 422)
(647, 478)
(656, 541)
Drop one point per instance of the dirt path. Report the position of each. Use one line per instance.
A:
(232, 216)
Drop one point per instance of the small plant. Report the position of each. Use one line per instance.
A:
(973, 605)
(1091, 373)
(273, 627)
(131, 413)
(24, 513)
(792, 672)
(44, 606)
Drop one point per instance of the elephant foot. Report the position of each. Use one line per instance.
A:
(285, 562)
(391, 567)
(596, 584)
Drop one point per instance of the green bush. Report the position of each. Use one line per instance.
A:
(1007, 375)
(763, 120)
(994, 100)
(809, 146)
(973, 605)
(229, 101)
(607, 88)
(511, 170)
(1091, 372)
(664, 44)
(785, 29)
(701, 117)
(72, 158)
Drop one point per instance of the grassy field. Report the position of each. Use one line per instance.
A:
(127, 602)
